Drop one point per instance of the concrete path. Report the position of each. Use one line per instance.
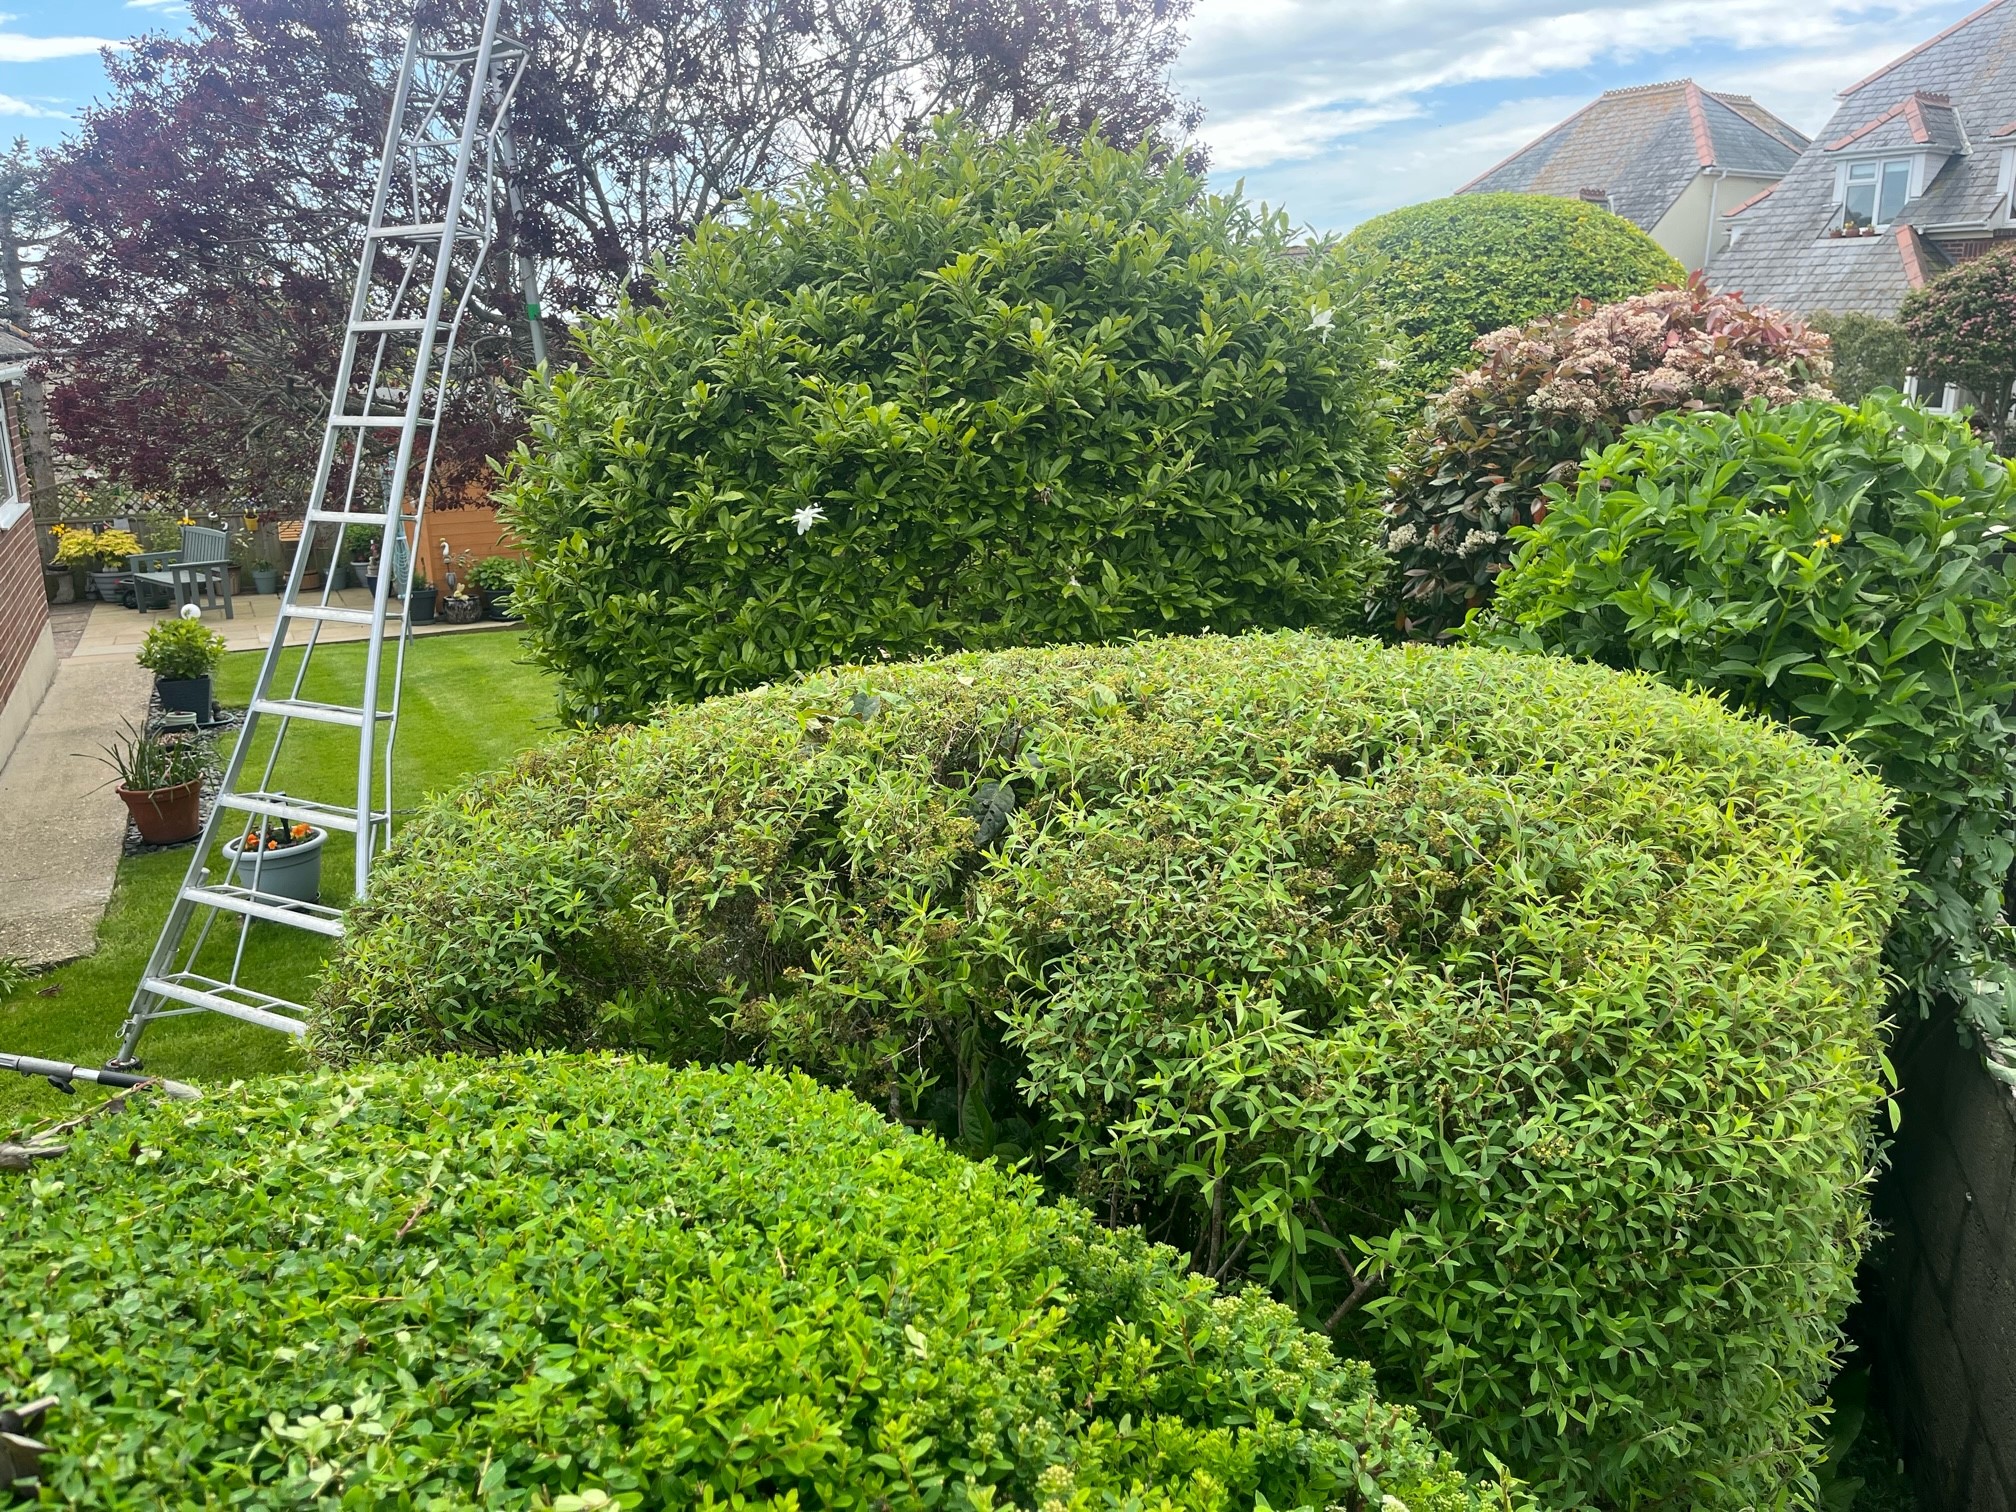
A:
(62, 827)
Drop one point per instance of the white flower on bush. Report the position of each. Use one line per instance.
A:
(1476, 541)
(1319, 322)
(807, 517)
(1401, 537)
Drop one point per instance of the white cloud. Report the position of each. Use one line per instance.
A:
(1339, 109)
(170, 6)
(9, 106)
(16, 48)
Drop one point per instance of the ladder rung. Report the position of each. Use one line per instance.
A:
(398, 325)
(382, 421)
(394, 233)
(328, 614)
(277, 910)
(353, 517)
(200, 991)
(300, 810)
(308, 708)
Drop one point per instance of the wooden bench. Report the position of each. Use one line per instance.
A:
(200, 573)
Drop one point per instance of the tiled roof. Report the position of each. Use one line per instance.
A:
(1756, 199)
(1941, 97)
(13, 345)
(1919, 120)
(1643, 146)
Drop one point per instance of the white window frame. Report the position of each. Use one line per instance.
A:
(1873, 173)
(13, 503)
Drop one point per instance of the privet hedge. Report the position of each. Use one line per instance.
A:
(1451, 270)
(993, 393)
(1849, 571)
(1512, 1017)
(574, 1284)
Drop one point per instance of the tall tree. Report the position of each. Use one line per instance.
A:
(212, 205)
(24, 232)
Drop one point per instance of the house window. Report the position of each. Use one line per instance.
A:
(12, 506)
(1876, 193)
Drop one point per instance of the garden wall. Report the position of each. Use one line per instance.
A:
(1950, 1275)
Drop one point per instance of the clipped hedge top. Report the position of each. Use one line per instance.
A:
(1451, 270)
(1539, 998)
(502, 1284)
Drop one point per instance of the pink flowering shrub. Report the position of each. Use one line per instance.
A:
(1543, 394)
(1961, 328)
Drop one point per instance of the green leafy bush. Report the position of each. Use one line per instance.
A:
(1451, 270)
(578, 1283)
(1540, 396)
(1513, 1018)
(995, 393)
(1961, 328)
(1848, 571)
(181, 648)
(1868, 352)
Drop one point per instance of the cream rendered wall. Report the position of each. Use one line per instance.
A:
(1684, 229)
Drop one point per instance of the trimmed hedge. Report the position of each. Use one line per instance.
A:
(1451, 270)
(1516, 1017)
(992, 393)
(573, 1283)
(1850, 571)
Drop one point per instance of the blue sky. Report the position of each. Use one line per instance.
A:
(1332, 109)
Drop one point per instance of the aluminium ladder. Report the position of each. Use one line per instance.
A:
(442, 185)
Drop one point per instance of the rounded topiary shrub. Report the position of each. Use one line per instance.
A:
(992, 393)
(1450, 270)
(582, 1283)
(1512, 1018)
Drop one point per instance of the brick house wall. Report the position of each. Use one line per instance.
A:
(27, 653)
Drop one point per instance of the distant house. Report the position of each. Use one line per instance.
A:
(1912, 175)
(1669, 158)
(27, 653)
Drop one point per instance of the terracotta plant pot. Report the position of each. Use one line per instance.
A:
(165, 816)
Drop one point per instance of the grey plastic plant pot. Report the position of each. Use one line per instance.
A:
(295, 872)
(188, 695)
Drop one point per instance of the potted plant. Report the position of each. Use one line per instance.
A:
(160, 780)
(279, 859)
(493, 578)
(265, 576)
(182, 653)
(420, 600)
(360, 546)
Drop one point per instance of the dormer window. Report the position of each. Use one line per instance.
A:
(1875, 192)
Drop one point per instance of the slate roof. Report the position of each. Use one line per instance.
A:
(1952, 94)
(1642, 147)
(14, 346)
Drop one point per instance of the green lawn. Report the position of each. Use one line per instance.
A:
(471, 703)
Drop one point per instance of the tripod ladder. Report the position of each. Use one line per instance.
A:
(442, 190)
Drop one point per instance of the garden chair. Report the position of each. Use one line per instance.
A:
(200, 573)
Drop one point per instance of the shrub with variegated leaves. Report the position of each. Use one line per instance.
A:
(1540, 396)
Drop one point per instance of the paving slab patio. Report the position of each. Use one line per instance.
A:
(115, 632)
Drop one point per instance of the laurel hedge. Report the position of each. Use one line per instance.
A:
(985, 393)
(1514, 1018)
(582, 1283)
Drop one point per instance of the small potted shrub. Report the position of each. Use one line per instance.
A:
(101, 555)
(265, 576)
(464, 604)
(182, 653)
(492, 579)
(279, 859)
(420, 599)
(160, 780)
